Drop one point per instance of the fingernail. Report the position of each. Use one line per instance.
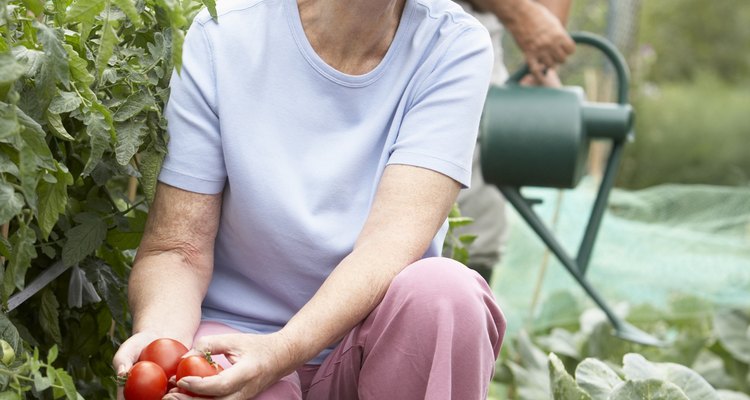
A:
(121, 370)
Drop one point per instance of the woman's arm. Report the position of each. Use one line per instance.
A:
(171, 271)
(410, 205)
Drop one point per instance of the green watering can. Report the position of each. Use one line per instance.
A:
(539, 136)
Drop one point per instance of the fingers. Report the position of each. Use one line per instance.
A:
(219, 344)
(129, 352)
(227, 383)
(539, 67)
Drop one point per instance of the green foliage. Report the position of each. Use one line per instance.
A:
(456, 246)
(693, 37)
(689, 133)
(707, 357)
(36, 376)
(82, 87)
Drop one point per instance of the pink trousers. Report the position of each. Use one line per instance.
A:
(436, 335)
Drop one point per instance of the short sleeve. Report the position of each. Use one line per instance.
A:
(195, 160)
(440, 127)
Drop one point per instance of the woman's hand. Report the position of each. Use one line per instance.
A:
(258, 361)
(128, 354)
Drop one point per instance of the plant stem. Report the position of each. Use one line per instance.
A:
(25, 378)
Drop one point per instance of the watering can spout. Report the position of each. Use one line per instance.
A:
(608, 121)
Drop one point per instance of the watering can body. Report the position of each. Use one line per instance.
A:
(540, 136)
(534, 136)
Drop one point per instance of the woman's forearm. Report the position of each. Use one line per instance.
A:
(174, 263)
(411, 205)
(165, 296)
(359, 284)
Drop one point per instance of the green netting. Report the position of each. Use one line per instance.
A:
(653, 244)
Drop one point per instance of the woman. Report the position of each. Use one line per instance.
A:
(316, 149)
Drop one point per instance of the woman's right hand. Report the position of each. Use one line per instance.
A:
(128, 354)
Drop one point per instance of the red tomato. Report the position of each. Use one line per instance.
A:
(196, 366)
(166, 352)
(146, 381)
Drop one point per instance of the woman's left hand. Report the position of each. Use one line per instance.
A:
(258, 361)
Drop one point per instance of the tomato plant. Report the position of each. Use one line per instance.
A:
(166, 353)
(145, 381)
(82, 88)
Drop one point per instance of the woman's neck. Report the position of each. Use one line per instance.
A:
(351, 36)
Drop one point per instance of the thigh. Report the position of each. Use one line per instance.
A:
(288, 388)
(337, 378)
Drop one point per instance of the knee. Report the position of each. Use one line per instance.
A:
(441, 286)
(439, 278)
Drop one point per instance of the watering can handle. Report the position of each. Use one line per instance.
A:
(605, 47)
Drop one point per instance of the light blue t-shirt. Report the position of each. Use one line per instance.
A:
(298, 148)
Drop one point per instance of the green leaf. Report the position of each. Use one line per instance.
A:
(596, 378)
(52, 354)
(563, 385)
(32, 60)
(134, 104)
(178, 38)
(35, 6)
(9, 333)
(128, 7)
(150, 166)
(732, 395)
(560, 308)
(456, 222)
(56, 126)
(466, 240)
(636, 367)
(57, 57)
(78, 67)
(7, 165)
(83, 240)
(99, 139)
(23, 241)
(561, 341)
(53, 197)
(85, 10)
(64, 102)
(9, 126)
(41, 382)
(129, 139)
(10, 395)
(28, 167)
(10, 69)
(107, 44)
(109, 285)
(650, 389)
(34, 137)
(49, 317)
(67, 383)
(11, 203)
(211, 6)
(733, 329)
(175, 13)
